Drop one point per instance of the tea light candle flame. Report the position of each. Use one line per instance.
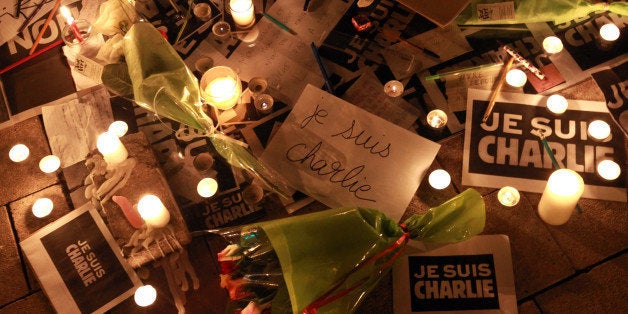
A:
(608, 169)
(508, 196)
(516, 78)
(609, 32)
(145, 295)
(564, 188)
(439, 179)
(153, 211)
(207, 187)
(19, 153)
(49, 164)
(70, 20)
(599, 130)
(393, 88)
(42, 207)
(557, 104)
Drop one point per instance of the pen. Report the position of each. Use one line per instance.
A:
(322, 68)
(498, 88)
(281, 25)
(460, 71)
(30, 17)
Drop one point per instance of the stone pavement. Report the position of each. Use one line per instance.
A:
(578, 267)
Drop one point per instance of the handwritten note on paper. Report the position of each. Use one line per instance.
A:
(342, 155)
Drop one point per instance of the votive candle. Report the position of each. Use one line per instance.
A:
(599, 130)
(516, 78)
(221, 87)
(557, 104)
(608, 169)
(145, 295)
(436, 118)
(393, 88)
(19, 153)
(560, 197)
(609, 32)
(42, 207)
(552, 44)
(242, 12)
(439, 179)
(153, 211)
(207, 187)
(111, 148)
(508, 196)
(49, 164)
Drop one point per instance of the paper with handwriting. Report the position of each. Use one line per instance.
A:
(342, 155)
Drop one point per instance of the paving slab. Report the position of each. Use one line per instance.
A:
(538, 261)
(528, 308)
(34, 303)
(12, 280)
(601, 290)
(23, 178)
(598, 232)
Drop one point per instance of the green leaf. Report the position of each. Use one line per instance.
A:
(116, 77)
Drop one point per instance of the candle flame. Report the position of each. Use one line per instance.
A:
(66, 13)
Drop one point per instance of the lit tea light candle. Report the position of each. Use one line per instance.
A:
(264, 103)
(609, 32)
(118, 128)
(70, 20)
(207, 187)
(221, 87)
(599, 130)
(111, 148)
(49, 164)
(439, 179)
(19, 153)
(145, 295)
(516, 78)
(508, 196)
(608, 170)
(42, 207)
(242, 12)
(436, 118)
(393, 88)
(557, 104)
(552, 44)
(153, 211)
(560, 197)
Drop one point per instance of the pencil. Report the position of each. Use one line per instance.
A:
(322, 68)
(30, 17)
(498, 88)
(45, 26)
(281, 25)
(30, 57)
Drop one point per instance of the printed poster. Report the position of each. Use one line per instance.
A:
(79, 264)
(504, 151)
(473, 276)
(342, 155)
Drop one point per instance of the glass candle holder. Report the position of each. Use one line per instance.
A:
(242, 13)
(221, 29)
(508, 196)
(202, 11)
(221, 87)
(82, 28)
(258, 85)
(203, 162)
(436, 119)
(393, 88)
(264, 104)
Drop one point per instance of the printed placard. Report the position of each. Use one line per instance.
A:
(342, 155)
(474, 276)
(496, 11)
(79, 265)
(504, 151)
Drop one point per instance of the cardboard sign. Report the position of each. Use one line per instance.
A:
(342, 155)
(471, 276)
(503, 151)
(79, 265)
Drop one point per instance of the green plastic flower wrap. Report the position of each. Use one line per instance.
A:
(531, 11)
(157, 78)
(326, 262)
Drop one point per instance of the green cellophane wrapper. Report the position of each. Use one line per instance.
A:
(320, 249)
(530, 11)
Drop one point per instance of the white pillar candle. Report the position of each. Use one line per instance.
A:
(516, 78)
(153, 211)
(207, 187)
(145, 295)
(393, 88)
(221, 87)
(242, 12)
(49, 164)
(118, 128)
(560, 197)
(508, 196)
(439, 179)
(19, 153)
(557, 104)
(436, 118)
(608, 169)
(599, 130)
(609, 32)
(42, 207)
(111, 148)
(552, 44)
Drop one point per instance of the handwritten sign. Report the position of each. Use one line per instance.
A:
(503, 151)
(344, 156)
(79, 264)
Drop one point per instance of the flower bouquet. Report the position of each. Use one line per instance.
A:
(327, 261)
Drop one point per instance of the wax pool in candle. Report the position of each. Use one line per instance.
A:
(242, 12)
(207, 187)
(608, 169)
(437, 118)
(145, 295)
(49, 164)
(564, 188)
(153, 211)
(516, 78)
(557, 104)
(552, 44)
(508, 196)
(19, 153)
(42, 207)
(111, 148)
(599, 130)
(393, 88)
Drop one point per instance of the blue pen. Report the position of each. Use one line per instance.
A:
(322, 67)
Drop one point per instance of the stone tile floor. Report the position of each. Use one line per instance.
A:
(579, 267)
